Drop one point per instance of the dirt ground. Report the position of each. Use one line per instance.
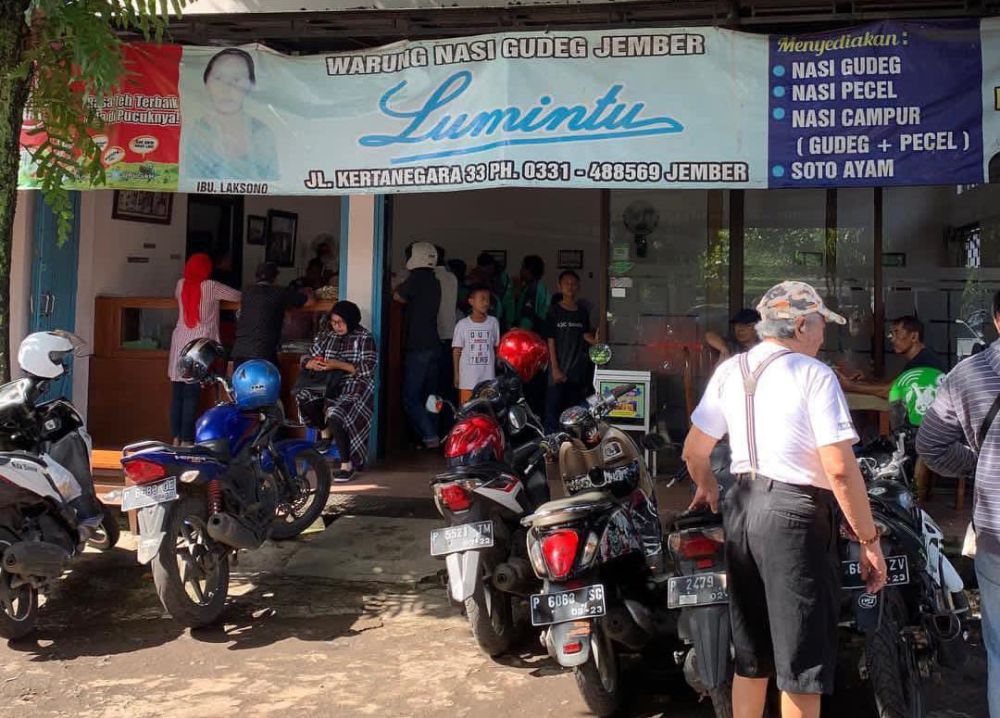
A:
(303, 647)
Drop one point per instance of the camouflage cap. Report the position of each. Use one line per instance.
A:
(789, 300)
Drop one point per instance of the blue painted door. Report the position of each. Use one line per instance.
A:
(53, 279)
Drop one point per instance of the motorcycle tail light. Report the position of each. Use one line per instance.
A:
(456, 495)
(695, 544)
(143, 471)
(559, 549)
(847, 533)
(572, 648)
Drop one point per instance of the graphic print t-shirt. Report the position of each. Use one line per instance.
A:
(567, 327)
(478, 341)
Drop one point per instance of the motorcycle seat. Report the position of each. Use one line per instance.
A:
(696, 519)
(569, 509)
(486, 470)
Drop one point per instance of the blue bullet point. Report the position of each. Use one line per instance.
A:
(778, 171)
(778, 113)
(778, 91)
(779, 70)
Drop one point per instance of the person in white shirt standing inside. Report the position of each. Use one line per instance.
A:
(791, 435)
(474, 346)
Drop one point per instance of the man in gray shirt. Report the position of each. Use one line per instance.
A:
(960, 436)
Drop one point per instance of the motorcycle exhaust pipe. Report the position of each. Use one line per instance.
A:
(622, 628)
(514, 576)
(35, 558)
(225, 529)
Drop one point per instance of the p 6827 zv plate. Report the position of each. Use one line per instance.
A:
(137, 497)
(465, 537)
(700, 589)
(897, 573)
(562, 606)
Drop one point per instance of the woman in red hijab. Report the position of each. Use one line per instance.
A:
(198, 299)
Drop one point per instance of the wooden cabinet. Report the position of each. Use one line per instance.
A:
(129, 390)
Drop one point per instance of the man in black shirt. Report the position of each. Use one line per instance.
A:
(907, 337)
(262, 312)
(421, 293)
(569, 334)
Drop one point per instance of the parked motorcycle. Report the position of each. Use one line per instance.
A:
(235, 488)
(48, 511)
(598, 553)
(918, 621)
(495, 476)
(974, 323)
(699, 590)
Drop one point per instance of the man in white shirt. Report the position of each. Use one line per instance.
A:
(791, 435)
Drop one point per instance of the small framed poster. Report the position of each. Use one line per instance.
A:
(499, 256)
(139, 206)
(570, 259)
(282, 228)
(256, 229)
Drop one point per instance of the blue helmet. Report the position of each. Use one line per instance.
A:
(256, 383)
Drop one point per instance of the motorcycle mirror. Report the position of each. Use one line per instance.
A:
(518, 417)
(654, 442)
(600, 354)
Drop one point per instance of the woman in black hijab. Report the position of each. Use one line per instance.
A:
(346, 416)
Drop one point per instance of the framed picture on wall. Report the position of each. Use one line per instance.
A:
(256, 229)
(499, 256)
(570, 259)
(138, 206)
(282, 228)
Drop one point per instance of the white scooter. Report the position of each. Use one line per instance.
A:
(48, 510)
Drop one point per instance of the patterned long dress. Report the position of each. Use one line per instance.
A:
(354, 404)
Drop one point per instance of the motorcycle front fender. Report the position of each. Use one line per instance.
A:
(463, 573)
(151, 533)
(707, 628)
(559, 634)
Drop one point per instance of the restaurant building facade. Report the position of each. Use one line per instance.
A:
(660, 266)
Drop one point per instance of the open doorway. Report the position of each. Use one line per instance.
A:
(215, 227)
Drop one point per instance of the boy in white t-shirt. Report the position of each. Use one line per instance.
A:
(474, 344)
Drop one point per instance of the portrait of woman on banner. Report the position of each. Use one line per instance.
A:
(226, 142)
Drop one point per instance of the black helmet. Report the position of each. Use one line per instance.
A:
(199, 358)
(579, 423)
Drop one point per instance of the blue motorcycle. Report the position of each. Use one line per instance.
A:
(235, 488)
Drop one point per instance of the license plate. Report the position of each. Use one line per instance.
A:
(137, 497)
(701, 589)
(563, 606)
(897, 570)
(467, 537)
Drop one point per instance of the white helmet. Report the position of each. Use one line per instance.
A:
(42, 353)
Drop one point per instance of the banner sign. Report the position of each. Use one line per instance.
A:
(893, 103)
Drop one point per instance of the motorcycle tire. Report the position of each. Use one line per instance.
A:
(184, 524)
(599, 680)
(892, 667)
(282, 529)
(494, 630)
(15, 622)
(107, 535)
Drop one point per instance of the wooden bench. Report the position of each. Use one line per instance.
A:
(109, 480)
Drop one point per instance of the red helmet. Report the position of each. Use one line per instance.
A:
(525, 352)
(473, 440)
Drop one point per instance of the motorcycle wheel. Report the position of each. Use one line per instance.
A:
(107, 534)
(309, 489)
(490, 616)
(191, 577)
(892, 667)
(599, 679)
(18, 606)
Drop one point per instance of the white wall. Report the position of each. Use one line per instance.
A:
(521, 221)
(317, 215)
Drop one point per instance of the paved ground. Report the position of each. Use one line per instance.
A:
(349, 620)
